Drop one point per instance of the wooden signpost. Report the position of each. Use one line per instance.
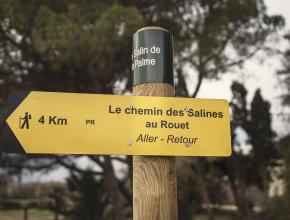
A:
(154, 178)
(149, 124)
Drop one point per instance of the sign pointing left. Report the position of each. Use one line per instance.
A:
(75, 123)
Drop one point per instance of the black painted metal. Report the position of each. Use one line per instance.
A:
(8, 141)
(161, 69)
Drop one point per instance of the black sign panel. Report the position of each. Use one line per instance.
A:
(152, 56)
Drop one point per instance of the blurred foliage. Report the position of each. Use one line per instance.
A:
(261, 137)
(189, 198)
(284, 150)
(34, 214)
(252, 168)
(279, 206)
(277, 209)
(52, 196)
(85, 46)
(69, 46)
(88, 196)
(285, 73)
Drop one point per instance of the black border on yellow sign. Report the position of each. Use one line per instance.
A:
(8, 141)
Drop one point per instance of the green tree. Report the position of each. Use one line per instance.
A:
(204, 30)
(285, 73)
(76, 46)
(239, 167)
(284, 149)
(261, 137)
(66, 46)
(242, 169)
(189, 197)
(278, 208)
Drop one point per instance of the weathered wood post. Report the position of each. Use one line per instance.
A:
(154, 178)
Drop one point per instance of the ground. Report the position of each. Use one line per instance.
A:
(34, 214)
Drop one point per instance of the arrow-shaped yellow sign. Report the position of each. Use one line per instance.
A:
(71, 123)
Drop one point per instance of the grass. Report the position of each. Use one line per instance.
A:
(204, 217)
(33, 214)
(38, 214)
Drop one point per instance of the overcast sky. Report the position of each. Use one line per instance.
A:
(257, 75)
(254, 75)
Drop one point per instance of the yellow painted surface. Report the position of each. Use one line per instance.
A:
(68, 126)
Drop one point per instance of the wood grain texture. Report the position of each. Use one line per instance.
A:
(154, 178)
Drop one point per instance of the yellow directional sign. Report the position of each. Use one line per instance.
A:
(71, 123)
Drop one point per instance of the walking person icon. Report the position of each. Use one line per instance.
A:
(24, 122)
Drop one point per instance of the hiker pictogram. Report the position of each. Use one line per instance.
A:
(24, 121)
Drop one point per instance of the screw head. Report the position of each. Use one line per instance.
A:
(186, 109)
(130, 106)
(129, 142)
(187, 144)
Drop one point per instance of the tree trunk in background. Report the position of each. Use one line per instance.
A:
(111, 187)
(55, 216)
(25, 217)
(202, 185)
(244, 211)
